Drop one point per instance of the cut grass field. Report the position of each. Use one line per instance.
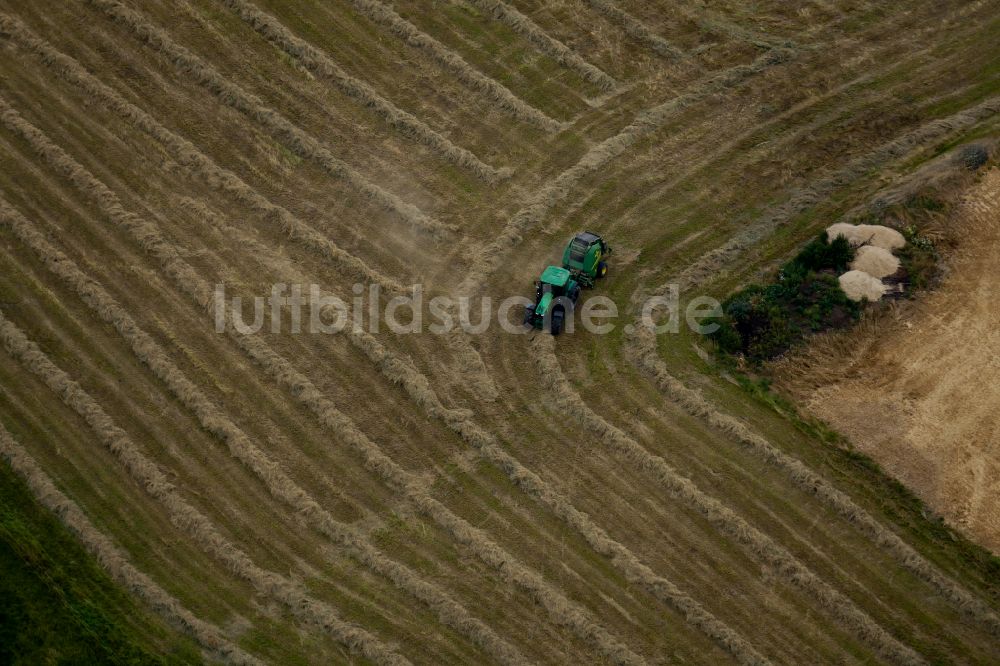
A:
(379, 498)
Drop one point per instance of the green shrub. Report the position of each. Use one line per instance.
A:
(762, 323)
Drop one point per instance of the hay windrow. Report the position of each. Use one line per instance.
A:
(300, 142)
(114, 561)
(318, 63)
(184, 152)
(185, 517)
(402, 372)
(273, 477)
(643, 349)
(553, 48)
(564, 611)
(721, 517)
(384, 15)
(490, 256)
(636, 29)
(706, 266)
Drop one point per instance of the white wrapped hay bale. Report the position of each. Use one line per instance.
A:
(867, 234)
(859, 285)
(876, 261)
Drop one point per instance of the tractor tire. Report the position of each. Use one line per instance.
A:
(556, 326)
(602, 269)
(575, 295)
(529, 314)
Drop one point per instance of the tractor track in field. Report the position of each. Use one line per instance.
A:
(302, 390)
(277, 482)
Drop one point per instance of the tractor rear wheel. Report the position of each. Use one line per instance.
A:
(557, 322)
(602, 269)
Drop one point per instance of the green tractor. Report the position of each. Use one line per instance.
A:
(559, 288)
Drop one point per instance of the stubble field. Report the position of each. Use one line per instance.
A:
(381, 498)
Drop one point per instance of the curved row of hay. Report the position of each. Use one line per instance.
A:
(723, 518)
(277, 482)
(564, 611)
(645, 355)
(491, 255)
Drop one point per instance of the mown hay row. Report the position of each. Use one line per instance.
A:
(215, 422)
(185, 517)
(490, 256)
(298, 141)
(721, 517)
(643, 349)
(709, 264)
(563, 611)
(636, 29)
(553, 48)
(181, 150)
(319, 63)
(114, 562)
(401, 371)
(384, 15)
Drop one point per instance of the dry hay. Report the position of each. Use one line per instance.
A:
(859, 286)
(384, 15)
(564, 611)
(317, 62)
(636, 29)
(298, 141)
(271, 475)
(183, 515)
(721, 517)
(180, 149)
(113, 560)
(706, 266)
(491, 255)
(401, 371)
(867, 234)
(643, 349)
(876, 261)
(553, 48)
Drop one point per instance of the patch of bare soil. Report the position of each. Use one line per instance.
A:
(919, 390)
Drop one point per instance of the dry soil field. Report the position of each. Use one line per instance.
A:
(915, 389)
(392, 499)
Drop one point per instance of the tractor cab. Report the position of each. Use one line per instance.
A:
(553, 291)
(584, 258)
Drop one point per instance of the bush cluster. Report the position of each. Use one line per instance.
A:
(762, 322)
